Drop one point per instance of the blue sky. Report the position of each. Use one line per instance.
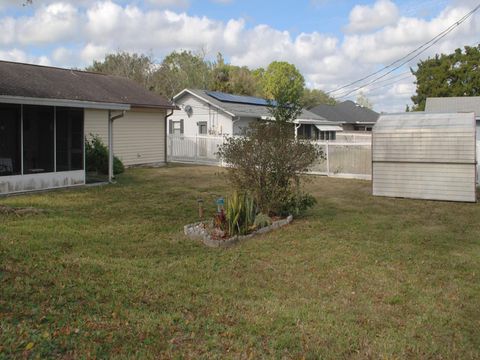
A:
(326, 16)
(331, 42)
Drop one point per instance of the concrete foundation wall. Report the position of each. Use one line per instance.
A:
(34, 182)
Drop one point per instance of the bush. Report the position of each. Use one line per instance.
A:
(96, 157)
(298, 204)
(268, 163)
(261, 221)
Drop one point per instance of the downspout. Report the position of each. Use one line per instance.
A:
(111, 119)
(166, 135)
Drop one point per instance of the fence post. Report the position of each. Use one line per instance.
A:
(196, 148)
(328, 158)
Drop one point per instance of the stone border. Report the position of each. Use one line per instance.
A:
(198, 232)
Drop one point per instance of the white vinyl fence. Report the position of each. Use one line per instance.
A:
(194, 149)
(341, 159)
(355, 137)
(346, 160)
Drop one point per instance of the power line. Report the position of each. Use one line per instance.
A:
(430, 43)
(389, 84)
(408, 60)
(382, 81)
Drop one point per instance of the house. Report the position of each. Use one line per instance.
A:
(46, 113)
(455, 104)
(350, 115)
(205, 112)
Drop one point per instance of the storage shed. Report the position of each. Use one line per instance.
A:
(425, 156)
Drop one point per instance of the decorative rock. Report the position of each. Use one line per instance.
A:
(198, 231)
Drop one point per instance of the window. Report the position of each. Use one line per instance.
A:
(10, 140)
(38, 139)
(176, 127)
(304, 131)
(328, 135)
(202, 128)
(69, 139)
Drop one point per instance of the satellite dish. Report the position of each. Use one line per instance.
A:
(188, 109)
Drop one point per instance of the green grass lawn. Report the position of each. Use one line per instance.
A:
(107, 272)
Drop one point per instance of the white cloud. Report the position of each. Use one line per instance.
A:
(18, 55)
(364, 18)
(49, 24)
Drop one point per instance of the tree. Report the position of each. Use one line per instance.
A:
(283, 85)
(233, 79)
(258, 76)
(137, 67)
(363, 100)
(456, 74)
(180, 70)
(314, 97)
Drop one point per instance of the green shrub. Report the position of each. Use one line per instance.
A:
(298, 203)
(262, 220)
(268, 163)
(240, 214)
(96, 157)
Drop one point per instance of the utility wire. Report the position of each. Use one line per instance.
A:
(381, 81)
(388, 84)
(408, 60)
(427, 45)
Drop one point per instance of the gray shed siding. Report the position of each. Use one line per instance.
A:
(425, 156)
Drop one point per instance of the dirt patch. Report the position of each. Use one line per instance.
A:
(7, 210)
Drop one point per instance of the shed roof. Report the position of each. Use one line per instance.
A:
(243, 109)
(45, 82)
(346, 112)
(454, 104)
(418, 121)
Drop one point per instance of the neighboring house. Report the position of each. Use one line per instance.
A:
(455, 104)
(205, 112)
(350, 115)
(46, 113)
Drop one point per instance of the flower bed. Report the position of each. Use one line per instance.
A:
(206, 233)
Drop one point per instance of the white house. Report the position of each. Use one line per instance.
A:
(46, 113)
(205, 112)
(455, 104)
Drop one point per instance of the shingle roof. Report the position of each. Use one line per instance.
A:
(454, 104)
(34, 81)
(245, 110)
(346, 112)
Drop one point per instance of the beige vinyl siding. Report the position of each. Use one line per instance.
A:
(138, 138)
(425, 156)
(96, 123)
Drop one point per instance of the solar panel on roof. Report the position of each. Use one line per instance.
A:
(251, 100)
